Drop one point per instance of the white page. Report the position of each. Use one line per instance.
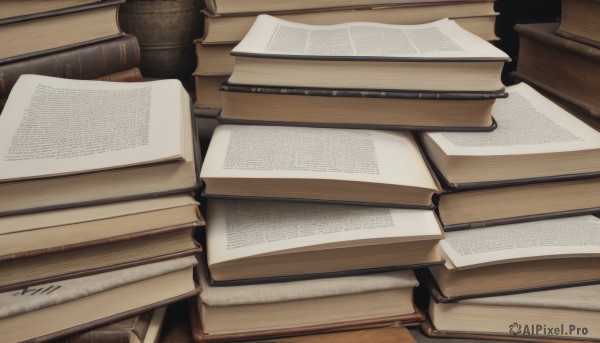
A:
(238, 228)
(528, 123)
(555, 238)
(53, 126)
(316, 153)
(442, 39)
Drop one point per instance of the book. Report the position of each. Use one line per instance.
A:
(535, 139)
(244, 6)
(213, 59)
(399, 334)
(18, 8)
(84, 63)
(317, 164)
(269, 55)
(45, 233)
(27, 36)
(80, 261)
(127, 75)
(479, 18)
(578, 21)
(207, 90)
(303, 307)
(559, 315)
(575, 84)
(95, 301)
(321, 107)
(256, 239)
(519, 257)
(143, 328)
(60, 135)
(206, 121)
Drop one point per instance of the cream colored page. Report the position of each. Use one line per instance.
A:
(528, 123)
(41, 220)
(53, 126)
(440, 39)
(238, 229)
(33, 298)
(316, 153)
(555, 238)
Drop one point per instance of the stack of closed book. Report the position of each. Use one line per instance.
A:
(69, 39)
(97, 215)
(520, 244)
(226, 23)
(563, 59)
(315, 219)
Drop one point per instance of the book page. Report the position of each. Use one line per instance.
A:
(555, 238)
(238, 228)
(316, 153)
(33, 298)
(527, 123)
(440, 39)
(53, 126)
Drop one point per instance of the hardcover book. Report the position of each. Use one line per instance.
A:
(564, 68)
(85, 303)
(303, 307)
(477, 17)
(321, 107)
(579, 21)
(83, 63)
(248, 240)
(363, 58)
(318, 164)
(519, 257)
(63, 137)
(27, 36)
(18, 8)
(560, 315)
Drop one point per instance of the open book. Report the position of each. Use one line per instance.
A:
(363, 55)
(89, 141)
(535, 139)
(318, 164)
(254, 239)
(509, 258)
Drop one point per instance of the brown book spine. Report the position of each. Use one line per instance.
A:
(124, 331)
(128, 75)
(83, 63)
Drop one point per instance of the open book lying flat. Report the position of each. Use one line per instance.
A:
(439, 56)
(519, 257)
(256, 239)
(303, 164)
(71, 142)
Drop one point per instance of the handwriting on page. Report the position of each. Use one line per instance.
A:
(31, 291)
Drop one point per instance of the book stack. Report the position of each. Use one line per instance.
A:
(227, 21)
(520, 248)
(563, 59)
(74, 39)
(96, 209)
(315, 220)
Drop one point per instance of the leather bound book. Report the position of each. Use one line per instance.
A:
(83, 63)
(579, 21)
(128, 75)
(27, 36)
(564, 68)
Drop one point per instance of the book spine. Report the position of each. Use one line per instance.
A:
(84, 63)
(129, 75)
